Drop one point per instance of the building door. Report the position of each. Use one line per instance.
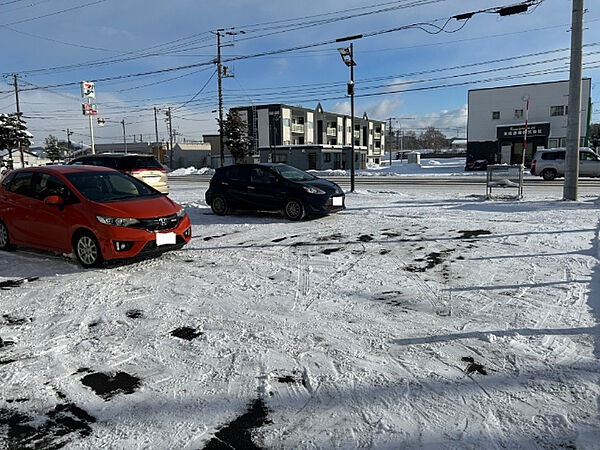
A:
(505, 153)
(312, 161)
(337, 160)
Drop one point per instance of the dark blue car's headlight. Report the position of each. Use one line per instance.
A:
(313, 190)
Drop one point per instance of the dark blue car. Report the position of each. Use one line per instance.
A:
(272, 187)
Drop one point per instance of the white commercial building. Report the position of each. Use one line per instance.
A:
(496, 120)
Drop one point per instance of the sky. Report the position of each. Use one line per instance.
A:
(415, 62)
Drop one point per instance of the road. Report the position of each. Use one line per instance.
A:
(476, 183)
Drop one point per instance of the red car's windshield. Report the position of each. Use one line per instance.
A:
(104, 187)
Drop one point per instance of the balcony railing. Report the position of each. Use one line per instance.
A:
(356, 134)
(331, 131)
(297, 128)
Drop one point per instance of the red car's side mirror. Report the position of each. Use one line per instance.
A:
(56, 200)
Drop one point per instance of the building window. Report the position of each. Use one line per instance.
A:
(327, 157)
(495, 115)
(287, 142)
(518, 113)
(286, 122)
(557, 110)
(279, 158)
(553, 143)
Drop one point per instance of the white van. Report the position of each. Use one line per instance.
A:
(550, 163)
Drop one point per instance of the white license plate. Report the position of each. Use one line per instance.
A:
(337, 201)
(151, 179)
(166, 238)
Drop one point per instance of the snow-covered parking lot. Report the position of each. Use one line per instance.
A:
(415, 318)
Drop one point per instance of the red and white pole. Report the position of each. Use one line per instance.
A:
(525, 133)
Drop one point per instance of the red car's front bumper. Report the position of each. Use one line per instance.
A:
(138, 242)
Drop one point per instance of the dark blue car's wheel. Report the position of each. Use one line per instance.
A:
(219, 205)
(293, 210)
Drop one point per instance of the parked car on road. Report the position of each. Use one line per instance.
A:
(550, 163)
(272, 187)
(144, 167)
(94, 212)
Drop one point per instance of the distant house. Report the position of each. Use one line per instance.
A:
(191, 154)
(459, 144)
(30, 158)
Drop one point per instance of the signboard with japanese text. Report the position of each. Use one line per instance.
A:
(89, 109)
(518, 131)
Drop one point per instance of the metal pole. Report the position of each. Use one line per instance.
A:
(91, 129)
(124, 136)
(570, 189)
(19, 119)
(155, 125)
(525, 133)
(390, 139)
(170, 140)
(220, 84)
(352, 115)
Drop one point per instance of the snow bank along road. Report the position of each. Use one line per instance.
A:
(419, 319)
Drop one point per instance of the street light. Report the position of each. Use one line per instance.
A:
(347, 55)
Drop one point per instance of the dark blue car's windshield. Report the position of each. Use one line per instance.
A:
(104, 187)
(292, 174)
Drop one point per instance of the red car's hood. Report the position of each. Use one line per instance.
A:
(138, 209)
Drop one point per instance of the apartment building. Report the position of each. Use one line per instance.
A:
(312, 138)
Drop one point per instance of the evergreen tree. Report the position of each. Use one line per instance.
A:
(235, 136)
(13, 132)
(53, 150)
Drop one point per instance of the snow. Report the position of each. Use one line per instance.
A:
(192, 171)
(351, 328)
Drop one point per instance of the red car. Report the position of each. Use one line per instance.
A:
(96, 213)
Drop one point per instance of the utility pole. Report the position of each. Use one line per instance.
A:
(570, 189)
(170, 137)
(124, 136)
(69, 133)
(19, 119)
(155, 126)
(222, 73)
(390, 135)
(220, 84)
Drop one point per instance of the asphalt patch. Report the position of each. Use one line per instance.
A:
(365, 238)
(470, 234)
(11, 320)
(7, 285)
(134, 313)
(238, 434)
(473, 366)
(53, 431)
(107, 386)
(4, 343)
(329, 251)
(331, 237)
(431, 260)
(186, 333)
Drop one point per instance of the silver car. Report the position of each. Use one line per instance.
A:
(550, 163)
